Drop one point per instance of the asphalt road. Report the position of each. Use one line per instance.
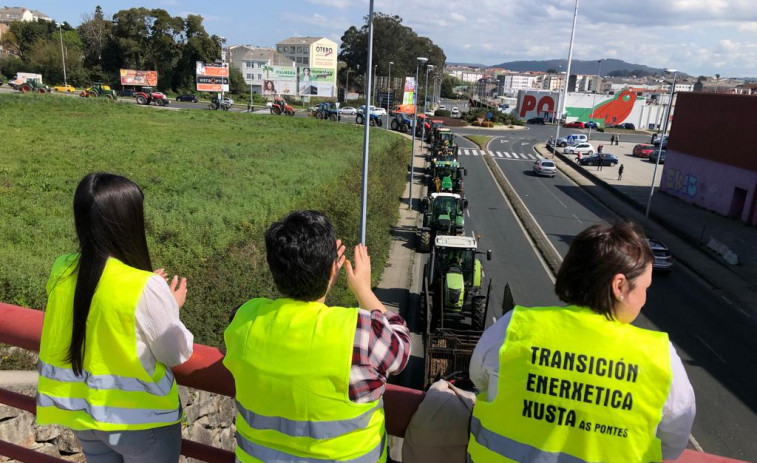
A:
(722, 375)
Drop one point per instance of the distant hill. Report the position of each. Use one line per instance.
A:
(472, 65)
(577, 66)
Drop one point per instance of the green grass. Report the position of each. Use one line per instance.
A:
(213, 182)
(480, 140)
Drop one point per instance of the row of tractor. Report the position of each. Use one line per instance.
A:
(454, 297)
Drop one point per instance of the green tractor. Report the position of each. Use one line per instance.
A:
(99, 90)
(453, 292)
(33, 86)
(443, 214)
(446, 176)
(444, 140)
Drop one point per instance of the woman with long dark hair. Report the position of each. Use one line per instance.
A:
(111, 333)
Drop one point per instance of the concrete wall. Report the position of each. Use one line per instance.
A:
(710, 184)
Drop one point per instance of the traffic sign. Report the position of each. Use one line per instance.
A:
(489, 115)
(480, 119)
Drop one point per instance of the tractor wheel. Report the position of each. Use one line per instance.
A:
(333, 117)
(406, 128)
(319, 115)
(289, 112)
(373, 122)
(91, 95)
(141, 99)
(25, 88)
(359, 119)
(41, 90)
(394, 125)
(275, 110)
(424, 245)
(109, 97)
(378, 122)
(478, 313)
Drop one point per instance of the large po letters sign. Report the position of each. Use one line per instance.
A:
(531, 108)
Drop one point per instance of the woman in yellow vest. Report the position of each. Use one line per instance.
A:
(580, 383)
(310, 378)
(111, 332)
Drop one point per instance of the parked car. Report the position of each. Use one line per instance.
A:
(347, 110)
(574, 125)
(187, 97)
(593, 160)
(663, 260)
(653, 156)
(374, 110)
(624, 125)
(123, 92)
(643, 150)
(442, 108)
(572, 139)
(64, 88)
(455, 112)
(544, 167)
(583, 148)
(536, 120)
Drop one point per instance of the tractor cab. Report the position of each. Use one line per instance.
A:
(446, 176)
(443, 214)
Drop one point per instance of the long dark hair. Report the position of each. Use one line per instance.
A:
(110, 222)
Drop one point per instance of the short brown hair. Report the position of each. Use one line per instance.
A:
(595, 256)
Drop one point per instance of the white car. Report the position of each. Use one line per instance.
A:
(269, 104)
(374, 110)
(455, 111)
(583, 148)
(347, 110)
(544, 167)
(442, 108)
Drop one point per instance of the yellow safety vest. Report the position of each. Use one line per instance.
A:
(573, 386)
(114, 392)
(291, 364)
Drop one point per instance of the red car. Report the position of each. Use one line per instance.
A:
(575, 125)
(642, 150)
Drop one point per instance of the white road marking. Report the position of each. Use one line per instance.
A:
(508, 155)
(467, 212)
(515, 155)
(491, 153)
(475, 152)
(465, 152)
(710, 349)
(695, 443)
(499, 155)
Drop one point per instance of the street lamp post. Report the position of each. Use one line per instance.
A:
(375, 79)
(223, 60)
(420, 60)
(366, 131)
(425, 102)
(347, 87)
(561, 105)
(662, 139)
(63, 57)
(594, 97)
(391, 92)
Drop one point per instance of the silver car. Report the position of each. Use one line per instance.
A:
(663, 260)
(545, 167)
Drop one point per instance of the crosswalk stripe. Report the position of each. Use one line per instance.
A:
(466, 152)
(523, 156)
(475, 152)
(508, 155)
(499, 155)
(515, 155)
(491, 153)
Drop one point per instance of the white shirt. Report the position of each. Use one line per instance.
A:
(677, 413)
(161, 336)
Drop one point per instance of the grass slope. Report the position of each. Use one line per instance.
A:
(213, 182)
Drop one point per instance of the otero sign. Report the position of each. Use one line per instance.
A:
(325, 51)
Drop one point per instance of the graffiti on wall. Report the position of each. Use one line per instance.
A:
(681, 183)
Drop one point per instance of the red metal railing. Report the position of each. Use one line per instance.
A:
(22, 327)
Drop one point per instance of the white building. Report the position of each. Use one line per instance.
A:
(466, 74)
(251, 62)
(514, 82)
(19, 13)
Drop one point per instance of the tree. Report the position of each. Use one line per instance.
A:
(199, 46)
(717, 76)
(95, 32)
(236, 81)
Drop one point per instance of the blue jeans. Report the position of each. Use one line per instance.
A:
(156, 445)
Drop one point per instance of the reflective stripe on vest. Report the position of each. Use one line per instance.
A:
(270, 455)
(113, 415)
(120, 383)
(312, 429)
(513, 450)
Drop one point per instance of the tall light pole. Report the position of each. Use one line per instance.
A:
(375, 79)
(425, 103)
(662, 140)
(347, 87)
(594, 97)
(223, 60)
(391, 92)
(561, 105)
(420, 60)
(366, 130)
(63, 57)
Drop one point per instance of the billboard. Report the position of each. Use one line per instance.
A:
(280, 80)
(323, 54)
(212, 77)
(407, 97)
(134, 77)
(315, 81)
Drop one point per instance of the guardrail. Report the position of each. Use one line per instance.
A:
(22, 327)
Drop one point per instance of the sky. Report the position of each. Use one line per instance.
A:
(698, 37)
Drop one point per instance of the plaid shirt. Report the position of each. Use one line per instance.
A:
(381, 348)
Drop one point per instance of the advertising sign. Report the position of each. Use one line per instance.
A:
(212, 77)
(316, 82)
(134, 77)
(407, 97)
(280, 80)
(323, 56)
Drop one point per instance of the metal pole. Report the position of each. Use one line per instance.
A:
(662, 139)
(425, 102)
(594, 97)
(375, 79)
(366, 131)
(415, 121)
(567, 75)
(391, 92)
(63, 57)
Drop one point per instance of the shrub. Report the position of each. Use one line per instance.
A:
(442, 113)
(475, 124)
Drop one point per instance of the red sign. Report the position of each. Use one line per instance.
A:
(546, 104)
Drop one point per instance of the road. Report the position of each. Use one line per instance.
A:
(722, 377)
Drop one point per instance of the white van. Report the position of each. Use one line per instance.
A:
(572, 139)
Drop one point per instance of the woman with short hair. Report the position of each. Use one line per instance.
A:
(580, 382)
(111, 334)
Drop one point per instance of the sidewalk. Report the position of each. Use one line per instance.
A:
(684, 228)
